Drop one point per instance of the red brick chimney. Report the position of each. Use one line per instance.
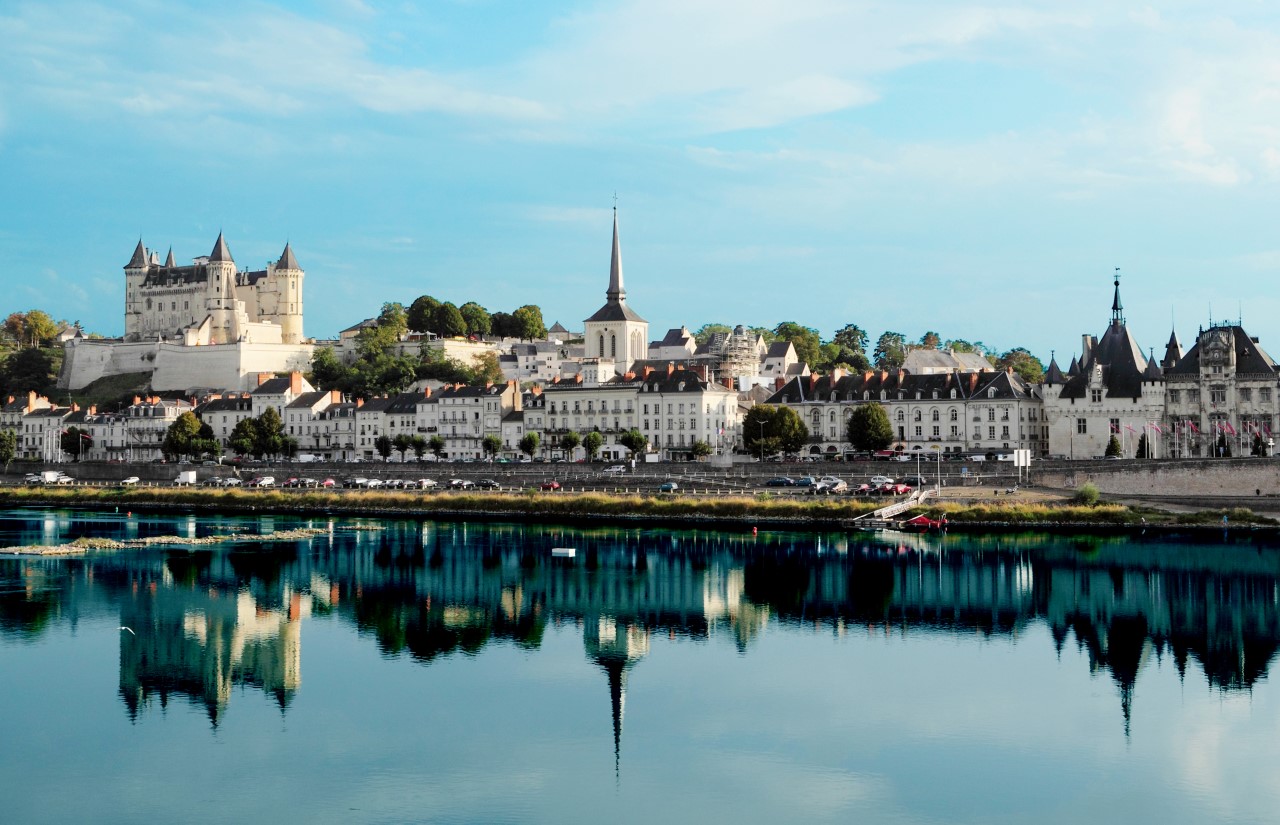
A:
(335, 396)
(778, 383)
(359, 403)
(295, 383)
(264, 377)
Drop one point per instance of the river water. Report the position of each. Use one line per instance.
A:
(459, 673)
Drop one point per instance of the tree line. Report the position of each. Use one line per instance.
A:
(442, 318)
(850, 348)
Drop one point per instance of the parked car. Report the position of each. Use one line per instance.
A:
(806, 481)
(894, 489)
(262, 482)
(830, 488)
(425, 483)
(914, 481)
(617, 469)
(374, 484)
(462, 484)
(668, 487)
(328, 484)
(129, 482)
(231, 482)
(356, 481)
(292, 482)
(216, 481)
(488, 484)
(780, 481)
(862, 490)
(550, 485)
(880, 481)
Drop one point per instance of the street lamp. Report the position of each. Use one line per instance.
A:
(761, 442)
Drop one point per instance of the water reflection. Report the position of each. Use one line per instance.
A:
(205, 621)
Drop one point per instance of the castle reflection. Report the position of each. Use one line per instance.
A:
(204, 622)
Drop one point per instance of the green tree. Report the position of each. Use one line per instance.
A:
(449, 322)
(634, 440)
(869, 427)
(383, 446)
(1023, 363)
(477, 318)
(700, 449)
(930, 340)
(851, 337)
(530, 443)
(486, 369)
(436, 445)
(8, 447)
(805, 339)
(327, 370)
(529, 319)
(288, 446)
(1141, 452)
(28, 370)
(491, 444)
(504, 325)
(1113, 447)
(570, 442)
(419, 446)
(434, 364)
(402, 442)
(767, 430)
(75, 441)
(704, 333)
(244, 437)
(421, 315)
(1259, 446)
(891, 351)
(182, 433)
(592, 443)
(270, 431)
(961, 345)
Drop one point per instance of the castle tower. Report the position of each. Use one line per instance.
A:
(616, 331)
(221, 301)
(288, 276)
(134, 273)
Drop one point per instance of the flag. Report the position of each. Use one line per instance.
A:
(1268, 429)
(1227, 426)
(1156, 427)
(1130, 428)
(1115, 428)
(1193, 427)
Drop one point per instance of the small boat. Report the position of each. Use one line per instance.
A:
(922, 523)
(563, 552)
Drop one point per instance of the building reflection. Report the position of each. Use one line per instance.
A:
(208, 621)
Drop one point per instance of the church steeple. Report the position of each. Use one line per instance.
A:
(1117, 310)
(617, 292)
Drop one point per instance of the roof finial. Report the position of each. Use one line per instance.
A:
(1117, 310)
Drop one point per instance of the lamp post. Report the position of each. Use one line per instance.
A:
(761, 442)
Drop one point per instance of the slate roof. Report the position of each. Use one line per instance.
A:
(307, 400)
(1123, 366)
(902, 385)
(1251, 359)
(1172, 352)
(287, 261)
(225, 405)
(778, 349)
(273, 386)
(220, 251)
(1054, 375)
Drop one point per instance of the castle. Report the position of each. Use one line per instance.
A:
(207, 325)
(210, 302)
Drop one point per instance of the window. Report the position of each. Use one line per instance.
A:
(1095, 396)
(955, 415)
(1264, 394)
(1193, 396)
(1175, 396)
(918, 414)
(991, 414)
(935, 431)
(935, 415)
(955, 431)
(902, 416)
(917, 432)
(1246, 394)
(1082, 426)
(1218, 396)
(991, 433)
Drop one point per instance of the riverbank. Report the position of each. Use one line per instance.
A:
(759, 511)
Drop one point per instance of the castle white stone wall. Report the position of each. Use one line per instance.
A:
(177, 367)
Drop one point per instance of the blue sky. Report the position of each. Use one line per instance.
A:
(978, 170)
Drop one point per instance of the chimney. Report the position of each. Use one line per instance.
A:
(973, 381)
(728, 381)
(488, 385)
(813, 381)
(671, 368)
(884, 376)
(577, 379)
(536, 389)
(647, 372)
(31, 400)
(295, 383)
(836, 374)
(778, 383)
(75, 407)
(264, 377)
(136, 400)
(93, 409)
(335, 396)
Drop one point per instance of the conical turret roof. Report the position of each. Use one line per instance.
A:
(139, 256)
(168, 261)
(287, 261)
(220, 251)
(1054, 375)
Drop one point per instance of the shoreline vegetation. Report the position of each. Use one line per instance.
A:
(759, 510)
(87, 544)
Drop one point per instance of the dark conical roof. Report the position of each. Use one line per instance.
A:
(287, 261)
(1074, 369)
(1054, 375)
(615, 307)
(1172, 352)
(168, 261)
(220, 251)
(139, 258)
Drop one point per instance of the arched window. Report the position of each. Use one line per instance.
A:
(954, 415)
(602, 345)
(613, 346)
(935, 415)
(917, 415)
(902, 416)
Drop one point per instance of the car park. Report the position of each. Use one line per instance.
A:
(668, 487)
(550, 485)
(780, 481)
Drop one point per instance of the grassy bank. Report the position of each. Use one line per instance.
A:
(577, 506)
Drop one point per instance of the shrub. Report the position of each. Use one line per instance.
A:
(1087, 495)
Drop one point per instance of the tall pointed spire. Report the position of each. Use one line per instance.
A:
(139, 256)
(168, 261)
(1117, 310)
(220, 251)
(617, 292)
